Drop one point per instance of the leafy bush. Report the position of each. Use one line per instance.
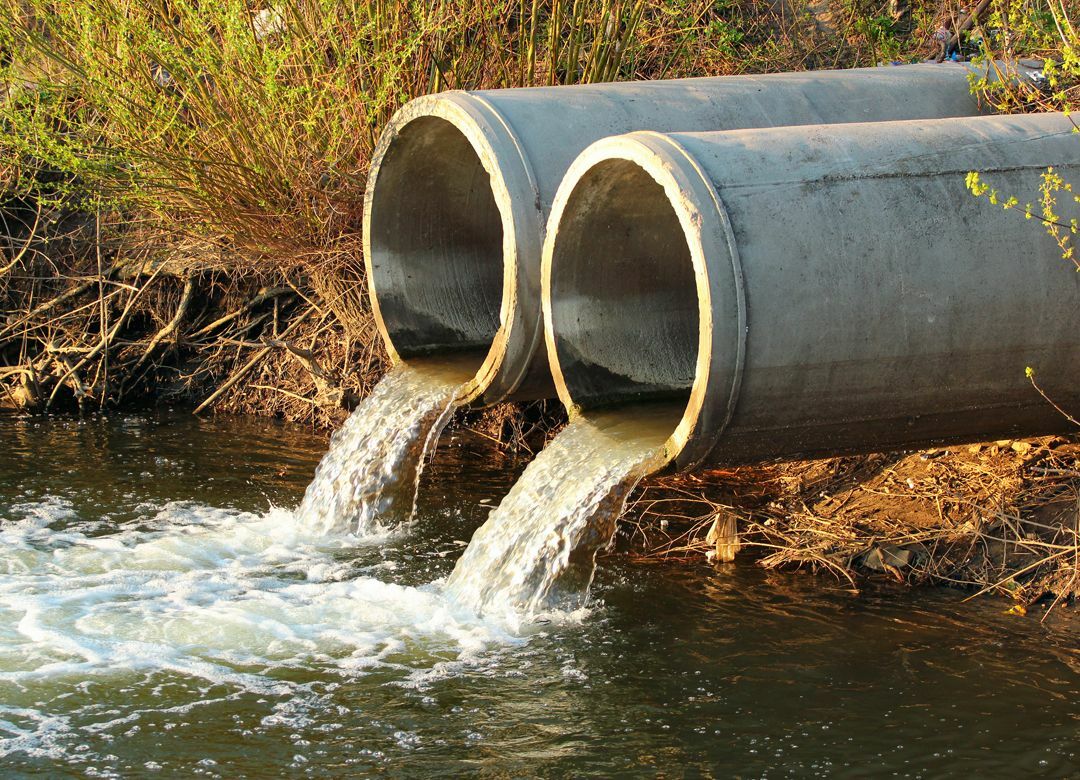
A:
(1046, 31)
(251, 125)
(254, 126)
(1015, 32)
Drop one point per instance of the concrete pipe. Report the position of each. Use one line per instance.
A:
(815, 290)
(461, 185)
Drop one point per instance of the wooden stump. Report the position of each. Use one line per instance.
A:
(724, 536)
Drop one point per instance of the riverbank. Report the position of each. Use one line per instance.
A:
(179, 240)
(999, 517)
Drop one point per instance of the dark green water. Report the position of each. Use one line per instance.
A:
(157, 616)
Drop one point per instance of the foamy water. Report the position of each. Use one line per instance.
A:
(537, 549)
(237, 601)
(246, 599)
(241, 603)
(367, 481)
(184, 605)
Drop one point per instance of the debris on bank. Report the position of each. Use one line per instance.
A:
(1001, 517)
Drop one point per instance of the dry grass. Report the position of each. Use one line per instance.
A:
(1001, 517)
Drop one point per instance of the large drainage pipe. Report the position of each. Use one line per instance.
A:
(461, 185)
(815, 290)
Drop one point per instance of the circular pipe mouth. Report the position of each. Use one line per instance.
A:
(638, 254)
(439, 241)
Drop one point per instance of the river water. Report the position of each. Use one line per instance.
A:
(163, 610)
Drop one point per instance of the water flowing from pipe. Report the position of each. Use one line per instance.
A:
(537, 549)
(367, 481)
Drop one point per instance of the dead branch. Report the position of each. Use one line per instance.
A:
(242, 372)
(170, 327)
(306, 358)
(26, 245)
(265, 294)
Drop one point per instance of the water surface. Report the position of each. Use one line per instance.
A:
(162, 611)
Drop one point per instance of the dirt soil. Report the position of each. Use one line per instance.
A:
(998, 517)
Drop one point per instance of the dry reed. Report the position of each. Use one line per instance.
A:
(999, 516)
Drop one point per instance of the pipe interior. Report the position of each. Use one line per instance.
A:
(624, 301)
(436, 243)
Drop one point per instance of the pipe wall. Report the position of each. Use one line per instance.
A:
(461, 186)
(816, 290)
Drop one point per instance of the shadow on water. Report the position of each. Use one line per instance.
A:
(678, 670)
(114, 462)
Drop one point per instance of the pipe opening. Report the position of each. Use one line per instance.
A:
(624, 300)
(436, 245)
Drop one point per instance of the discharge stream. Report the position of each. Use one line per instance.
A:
(537, 550)
(368, 479)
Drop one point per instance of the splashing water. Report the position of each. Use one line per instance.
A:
(220, 596)
(109, 621)
(537, 549)
(369, 476)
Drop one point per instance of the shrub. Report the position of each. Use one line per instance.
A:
(254, 126)
(1042, 30)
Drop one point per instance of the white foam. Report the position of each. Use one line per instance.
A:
(33, 733)
(222, 596)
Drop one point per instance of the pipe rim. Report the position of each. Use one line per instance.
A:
(516, 196)
(719, 285)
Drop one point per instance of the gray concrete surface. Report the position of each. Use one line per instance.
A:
(816, 290)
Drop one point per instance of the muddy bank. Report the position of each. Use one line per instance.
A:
(998, 517)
